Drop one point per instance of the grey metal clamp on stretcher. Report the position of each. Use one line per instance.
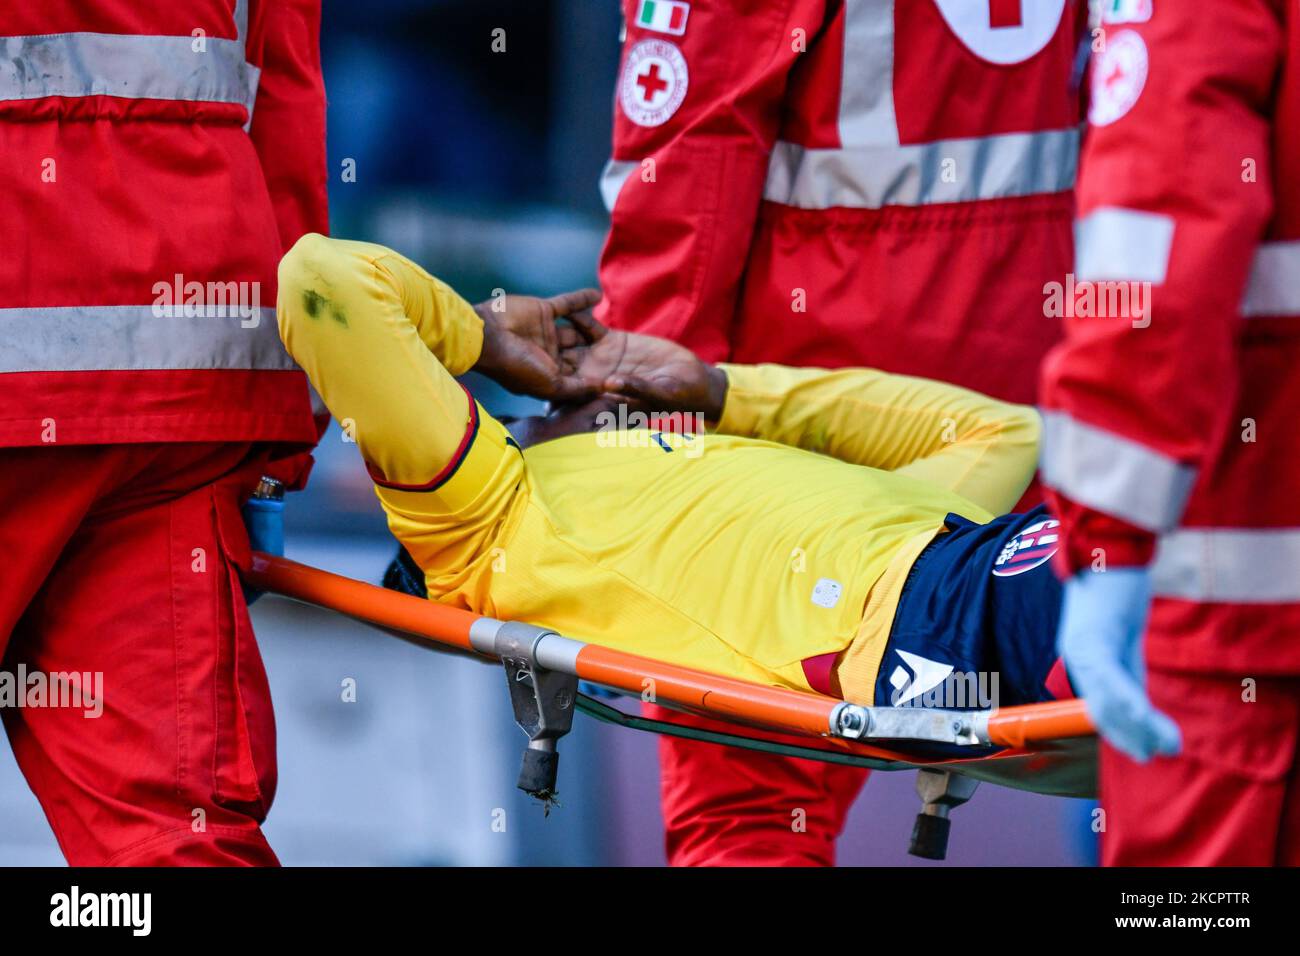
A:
(939, 790)
(856, 722)
(543, 699)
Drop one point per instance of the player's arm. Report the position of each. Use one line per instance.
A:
(381, 340)
(983, 449)
(1174, 193)
(696, 113)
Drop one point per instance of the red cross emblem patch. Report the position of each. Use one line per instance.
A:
(1119, 74)
(654, 82)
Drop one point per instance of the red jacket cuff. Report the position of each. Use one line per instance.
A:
(1092, 540)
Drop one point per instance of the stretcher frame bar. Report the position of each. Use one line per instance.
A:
(835, 722)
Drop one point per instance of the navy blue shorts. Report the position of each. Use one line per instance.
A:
(976, 623)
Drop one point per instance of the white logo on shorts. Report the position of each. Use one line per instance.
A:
(1033, 546)
(926, 675)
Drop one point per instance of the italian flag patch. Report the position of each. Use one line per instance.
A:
(1126, 11)
(663, 16)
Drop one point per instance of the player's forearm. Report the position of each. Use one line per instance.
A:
(976, 445)
(863, 415)
(446, 323)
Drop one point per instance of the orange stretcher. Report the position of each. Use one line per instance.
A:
(1045, 748)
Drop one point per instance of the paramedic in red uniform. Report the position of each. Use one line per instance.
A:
(835, 183)
(147, 146)
(1170, 434)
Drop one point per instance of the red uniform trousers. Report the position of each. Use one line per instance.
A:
(729, 807)
(1231, 798)
(122, 560)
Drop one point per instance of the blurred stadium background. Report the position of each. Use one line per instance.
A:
(483, 166)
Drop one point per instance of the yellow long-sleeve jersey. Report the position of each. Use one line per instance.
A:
(783, 534)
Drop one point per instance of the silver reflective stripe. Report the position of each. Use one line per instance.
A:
(104, 338)
(129, 66)
(612, 178)
(240, 16)
(252, 74)
(958, 170)
(867, 116)
(1229, 565)
(1112, 474)
(1116, 243)
(871, 169)
(1274, 286)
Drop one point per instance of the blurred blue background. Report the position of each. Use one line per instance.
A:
(483, 166)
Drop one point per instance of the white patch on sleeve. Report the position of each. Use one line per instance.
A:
(1119, 75)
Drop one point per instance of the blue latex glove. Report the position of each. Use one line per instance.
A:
(264, 518)
(1100, 638)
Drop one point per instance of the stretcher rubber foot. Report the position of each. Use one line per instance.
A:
(930, 837)
(539, 772)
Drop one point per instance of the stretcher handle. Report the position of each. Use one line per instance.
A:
(1029, 724)
(436, 623)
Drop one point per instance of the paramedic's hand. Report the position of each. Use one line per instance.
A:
(1100, 638)
(521, 345)
(647, 371)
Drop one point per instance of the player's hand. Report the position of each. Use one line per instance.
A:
(649, 372)
(521, 344)
(1100, 639)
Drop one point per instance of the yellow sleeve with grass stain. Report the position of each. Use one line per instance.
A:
(381, 339)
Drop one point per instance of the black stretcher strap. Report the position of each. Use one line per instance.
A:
(612, 715)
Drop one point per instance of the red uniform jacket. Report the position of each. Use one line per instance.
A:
(1171, 406)
(847, 182)
(156, 158)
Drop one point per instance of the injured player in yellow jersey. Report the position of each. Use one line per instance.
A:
(840, 531)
